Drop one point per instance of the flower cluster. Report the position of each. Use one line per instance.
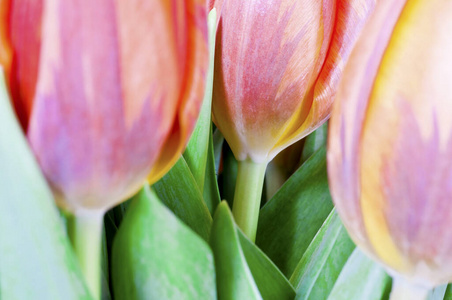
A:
(108, 93)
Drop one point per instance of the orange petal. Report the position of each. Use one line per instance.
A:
(192, 96)
(346, 125)
(268, 56)
(349, 20)
(20, 49)
(108, 94)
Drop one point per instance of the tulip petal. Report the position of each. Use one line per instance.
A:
(407, 136)
(268, 55)
(5, 41)
(347, 124)
(349, 20)
(192, 96)
(20, 23)
(109, 86)
(416, 180)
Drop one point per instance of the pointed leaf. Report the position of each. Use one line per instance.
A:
(234, 278)
(155, 256)
(361, 278)
(438, 293)
(291, 219)
(36, 259)
(448, 293)
(211, 193)
(270, 281)
(196, 154)
(180, 193)
(218, 141)
(321, 264)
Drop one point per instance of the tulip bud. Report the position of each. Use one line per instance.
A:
(106, 90)
(277, 66)
(390, 141)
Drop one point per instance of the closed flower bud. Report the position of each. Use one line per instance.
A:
(107, 91)
(390, 142)
(277, 66)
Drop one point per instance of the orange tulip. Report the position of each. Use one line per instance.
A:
(277, 66)
(389, 158)
(105, 90)
(278, 63)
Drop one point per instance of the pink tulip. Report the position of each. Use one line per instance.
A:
(278, 63)
(389, 158)
(277, 67)
(106, 90)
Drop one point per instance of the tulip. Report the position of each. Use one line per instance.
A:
(107, 93)
(277, 66)
(390, 141)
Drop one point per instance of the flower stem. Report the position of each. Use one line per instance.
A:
(401, 290)
(247, 196)
(85, 231)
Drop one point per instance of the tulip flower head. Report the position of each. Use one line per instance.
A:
(278, 63)
(389, 156)
(106, 90)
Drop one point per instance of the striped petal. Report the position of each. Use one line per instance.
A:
(390, 137)
(269, 54)
(109, 91)
(350, 19)
(348, 116)
(20, 35)
(192, 95)
(277, 69)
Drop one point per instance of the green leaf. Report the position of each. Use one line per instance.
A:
(218, 141)
(314, 141)
(196, 154)
(361, 278)
(291, 219)
(234, 278)
(448, 293)
(211, 193)
(321, 264)
(180, 193)
(105, 268)
(272, 284)
(155, 256)
(438, 293)
(36, 259)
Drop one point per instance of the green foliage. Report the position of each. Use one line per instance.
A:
(211, 193)
(270, 281)
(448, 293)
(439, 293)
(361, 278)
(36, 259)
(234, 278)
(178, 190)
(321, 264)
(291, 219)
(243, 270)
(155, 256)
(198, 151)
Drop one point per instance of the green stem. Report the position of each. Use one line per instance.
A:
(247, 196)
(85, 232)
(401, 290)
